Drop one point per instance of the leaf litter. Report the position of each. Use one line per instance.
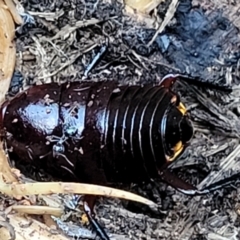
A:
(196, 40)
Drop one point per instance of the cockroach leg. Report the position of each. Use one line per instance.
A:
(189, 189)
(88, 205)
(168, 80)
(203, 83)
(101, 233)
(176, 182)
(227, 182)
(91, 200)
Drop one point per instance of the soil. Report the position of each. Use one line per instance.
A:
(201, 42)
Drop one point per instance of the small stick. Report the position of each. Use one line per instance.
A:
(100, 231)
(169, 15)
(96, 59)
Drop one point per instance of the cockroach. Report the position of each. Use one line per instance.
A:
(100, 132)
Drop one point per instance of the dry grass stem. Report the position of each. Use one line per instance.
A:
(38, 210)
(16, 190)
(231, 162)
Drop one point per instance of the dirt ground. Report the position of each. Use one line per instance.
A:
(201, 41)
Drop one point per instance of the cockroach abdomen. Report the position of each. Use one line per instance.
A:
(29, 118)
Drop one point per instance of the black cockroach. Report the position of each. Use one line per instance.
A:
(100, 132)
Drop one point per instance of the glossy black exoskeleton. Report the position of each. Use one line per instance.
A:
(100, 132)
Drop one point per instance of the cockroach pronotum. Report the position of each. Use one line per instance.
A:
(100, 132)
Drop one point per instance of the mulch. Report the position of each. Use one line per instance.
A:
(62, 38)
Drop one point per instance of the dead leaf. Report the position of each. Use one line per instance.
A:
(6, 174)
(7, 49)
(12, 8)
(27, 228)
(144, 6)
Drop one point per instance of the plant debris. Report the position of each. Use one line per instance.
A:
(196, 38)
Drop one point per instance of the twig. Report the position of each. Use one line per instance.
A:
(96, 59)
(17, 190)
(169, 15)
(68, 63)
(67, 30)
(226, 164)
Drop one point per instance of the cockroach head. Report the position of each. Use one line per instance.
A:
(176, 129)
(186, 129)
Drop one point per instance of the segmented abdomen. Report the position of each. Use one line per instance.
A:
(133, 130)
